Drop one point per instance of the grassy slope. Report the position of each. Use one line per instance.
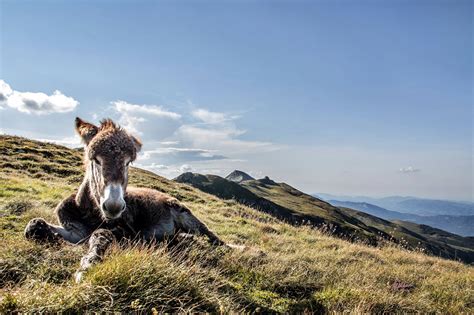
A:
(284, 268)
(440, 235)
(289, 205)
(432, 240)
(443, 244)
(226, 189)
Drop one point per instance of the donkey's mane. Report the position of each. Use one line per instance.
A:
(108, 124)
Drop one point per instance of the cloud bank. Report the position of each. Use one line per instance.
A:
(145, 120)
(35, 102)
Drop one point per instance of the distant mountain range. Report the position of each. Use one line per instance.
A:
(295, 207)
(462, 225)
(412, 205)
(459, 221)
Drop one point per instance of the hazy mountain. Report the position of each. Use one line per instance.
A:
(434, 207)
(373, 210)
(287, 203)
(461, 225)
(412, 205)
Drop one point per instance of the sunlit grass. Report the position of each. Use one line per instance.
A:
(283, 268)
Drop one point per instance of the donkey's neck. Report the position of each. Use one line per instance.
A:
(88, 194)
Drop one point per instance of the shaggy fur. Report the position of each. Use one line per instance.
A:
(148, 214)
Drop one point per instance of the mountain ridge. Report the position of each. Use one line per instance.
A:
(298, 207)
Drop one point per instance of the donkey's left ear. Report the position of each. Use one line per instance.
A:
(86, 130)
(137, 143)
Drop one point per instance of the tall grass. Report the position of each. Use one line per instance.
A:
(283, 268)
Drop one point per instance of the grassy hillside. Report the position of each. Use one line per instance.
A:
(294, 206)
(270, 197)
(444, 244)
(431, 240)
(284, 268)
(227, 189)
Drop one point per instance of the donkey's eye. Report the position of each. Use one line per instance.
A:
(96, 161)
(128, 163)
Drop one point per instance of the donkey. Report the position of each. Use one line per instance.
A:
(104, 209)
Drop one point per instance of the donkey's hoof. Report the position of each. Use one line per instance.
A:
(38, 230)
(79, 276)
(237, 247)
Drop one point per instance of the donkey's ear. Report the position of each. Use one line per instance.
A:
(137, 143)
(86, 130)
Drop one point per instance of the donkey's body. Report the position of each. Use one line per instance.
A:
(104, 208)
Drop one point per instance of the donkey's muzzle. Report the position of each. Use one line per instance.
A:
(113, 203)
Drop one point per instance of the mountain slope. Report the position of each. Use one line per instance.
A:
(286, 202)
(227, 189)
(283, 269)
(327, 216)
(461, 225)
(432, 240)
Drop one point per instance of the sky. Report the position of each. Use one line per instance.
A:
(354, 97)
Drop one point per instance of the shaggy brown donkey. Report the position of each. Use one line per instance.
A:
(104, 209)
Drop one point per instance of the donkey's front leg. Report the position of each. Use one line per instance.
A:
(99, 242)
(41, 231)
(71, 229)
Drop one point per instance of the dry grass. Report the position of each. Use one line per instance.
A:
(283, 269)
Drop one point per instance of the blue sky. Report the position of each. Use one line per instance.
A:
(347, 97)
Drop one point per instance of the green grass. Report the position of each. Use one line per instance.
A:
(294, 206)
(283, 268)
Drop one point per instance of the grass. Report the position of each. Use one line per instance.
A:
(293, 206)
(283, 268)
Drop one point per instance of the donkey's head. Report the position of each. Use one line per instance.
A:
(108, 153)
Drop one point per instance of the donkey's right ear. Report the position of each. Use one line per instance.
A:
(86, 130)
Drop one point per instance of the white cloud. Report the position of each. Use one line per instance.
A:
(167, 143)
(222, 139)
(142, 119)
(191, 132)
(124, 107)
(36, 102)
(209, 117)
(5, 91)
(185, 168)
(408, 170)
(177, 155)
(218, 131)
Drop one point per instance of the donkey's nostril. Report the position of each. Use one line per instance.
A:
(113, 203)
(113, 209)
